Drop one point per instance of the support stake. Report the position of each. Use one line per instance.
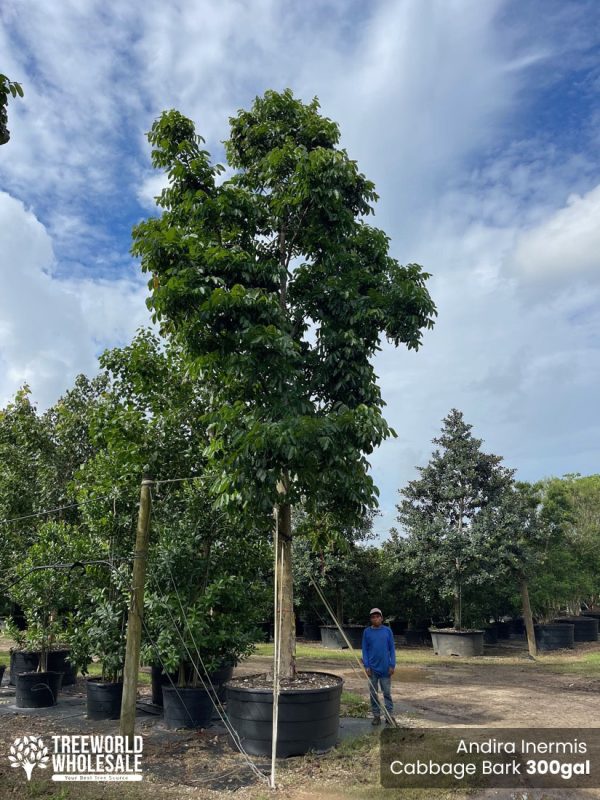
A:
(136, 611)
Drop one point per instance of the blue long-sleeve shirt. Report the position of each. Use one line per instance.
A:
(378, 652)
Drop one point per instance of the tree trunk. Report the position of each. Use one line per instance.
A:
(287, 666)
(527, 616)
(457, 610)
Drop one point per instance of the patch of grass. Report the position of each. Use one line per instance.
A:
(353, 745)
(354, 705)
(94, 670)
(311, 651)
(405, 656)
(577, 664)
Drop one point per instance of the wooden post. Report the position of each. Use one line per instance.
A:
(136, 612)
(527, 616)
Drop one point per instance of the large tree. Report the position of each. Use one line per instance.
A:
(281, 293)
(445, 512)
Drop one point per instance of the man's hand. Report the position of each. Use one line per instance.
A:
(369, 673)
(391, 671)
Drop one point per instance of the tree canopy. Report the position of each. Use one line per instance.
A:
(280, 291)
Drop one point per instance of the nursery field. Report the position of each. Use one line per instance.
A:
(503, 689)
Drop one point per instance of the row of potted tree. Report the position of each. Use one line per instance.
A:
(202, 609)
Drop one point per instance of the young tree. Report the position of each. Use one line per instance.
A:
(442, 511)
(281, 293)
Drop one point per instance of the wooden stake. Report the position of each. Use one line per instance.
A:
(136, 612)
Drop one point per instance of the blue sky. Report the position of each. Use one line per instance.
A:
(478, 121)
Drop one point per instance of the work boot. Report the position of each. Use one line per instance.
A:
(376, 721)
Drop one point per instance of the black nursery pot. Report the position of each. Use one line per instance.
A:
(58, 662)
(586, 628)
(22, 661)
(490, 635)
(103, 699)
(311, 632)
(414, 638)
(555, 637)
(219, 678)
(331, 638)
(308, 718)
(29, 661)
(517, 626)
(161, 679)
(37, 689)
(354, 634)
(503, 630)
(591, 613)
(457, 643)
(187, 707)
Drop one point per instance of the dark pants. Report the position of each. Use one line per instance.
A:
(386, 688)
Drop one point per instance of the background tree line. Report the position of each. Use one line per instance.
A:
(143, 408)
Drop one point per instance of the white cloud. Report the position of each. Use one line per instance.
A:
(54, 328)
(524, 369)
(430, 98)
(150, 188)
(564, 245)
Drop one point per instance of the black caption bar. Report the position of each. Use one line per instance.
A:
(515, 758)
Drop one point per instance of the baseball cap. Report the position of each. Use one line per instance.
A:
(375, 611)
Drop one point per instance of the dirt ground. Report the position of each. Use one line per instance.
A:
(502, 690)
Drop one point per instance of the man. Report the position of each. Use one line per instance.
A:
(379, 660)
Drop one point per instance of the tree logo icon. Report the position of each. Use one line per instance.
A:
(29, 752)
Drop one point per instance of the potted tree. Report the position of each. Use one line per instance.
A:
(46, 588)
(37, 685)
(242, 271)
(99, 634)
(202, 609)
(450, 544)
